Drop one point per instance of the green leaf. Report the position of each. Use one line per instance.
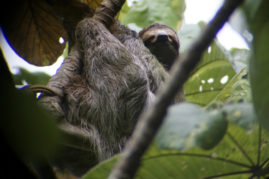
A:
(189, 32)
(242, 114)
(146, 12)
(207, 81)
(237, 89)
(123, 12)
(225, 158)
(236, 157)
(188, 125)
(31, 77)
(211, 75)
(241, 91)
(259, 63)
(103, 169)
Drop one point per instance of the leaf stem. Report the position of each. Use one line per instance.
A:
(201, 156)
(204, 91)
(229, 174)
(265, 162)
(241, 149)
(259, 145)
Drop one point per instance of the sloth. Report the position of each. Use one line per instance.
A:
(163, 42)
(103, 85)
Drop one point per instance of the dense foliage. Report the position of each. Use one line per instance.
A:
(222, 129)
(221, 136)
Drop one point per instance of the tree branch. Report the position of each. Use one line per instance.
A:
(107, 10)
(151, 119)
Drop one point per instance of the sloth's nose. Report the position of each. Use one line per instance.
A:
(162, 37)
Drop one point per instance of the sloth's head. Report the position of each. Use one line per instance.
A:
(163, 42)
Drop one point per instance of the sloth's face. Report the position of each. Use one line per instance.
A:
(163, 42)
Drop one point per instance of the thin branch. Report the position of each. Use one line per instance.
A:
(152, 118)
(107, 10)
(241, 149)
(201, 156)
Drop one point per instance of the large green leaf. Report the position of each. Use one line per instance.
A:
(211, 75)
(188, 125)
(146, 12)
(223, 159)
(207, 82)
(102, 170)
(241, 154)
(259, 63)
(237, 89)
